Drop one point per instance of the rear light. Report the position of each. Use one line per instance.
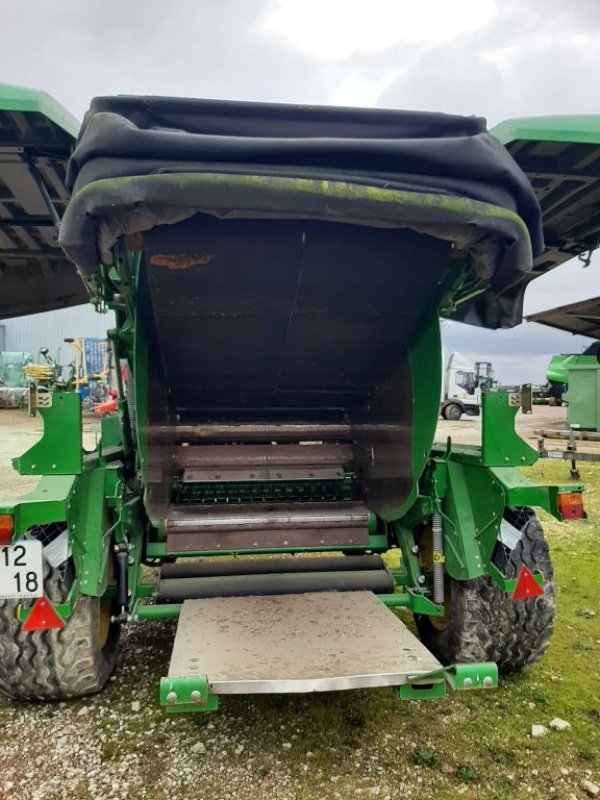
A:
(6, 529)
(570, 505)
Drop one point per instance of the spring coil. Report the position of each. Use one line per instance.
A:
(437, 542)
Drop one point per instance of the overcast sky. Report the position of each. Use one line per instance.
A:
(494, 58)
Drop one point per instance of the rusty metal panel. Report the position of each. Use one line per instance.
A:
(252, 455)
(215, 541)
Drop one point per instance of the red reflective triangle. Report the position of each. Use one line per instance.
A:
(527, 586)
(43, 617)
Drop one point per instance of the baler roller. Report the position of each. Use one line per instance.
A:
(250, 455)
(271, 432)
(279, 516)
(270, 566)
(176, 590)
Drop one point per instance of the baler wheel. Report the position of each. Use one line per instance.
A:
(484, 623)
(74, 661)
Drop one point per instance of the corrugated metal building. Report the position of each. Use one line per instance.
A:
(50, 329)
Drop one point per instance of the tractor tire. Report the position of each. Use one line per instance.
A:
(74, 661)
(483, 623)
(452, 412)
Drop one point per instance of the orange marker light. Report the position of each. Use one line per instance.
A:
(570, 505)
(6, 529)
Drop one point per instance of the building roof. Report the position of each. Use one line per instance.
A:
(582, 318)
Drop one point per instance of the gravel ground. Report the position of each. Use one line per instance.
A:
(363, 744)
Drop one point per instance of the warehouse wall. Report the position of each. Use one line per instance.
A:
(28, 334)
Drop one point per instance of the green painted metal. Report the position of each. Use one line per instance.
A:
(557, 370)
(432, 690)
(19, 98)
(583, 396)
(64, 610)
(508, 585)
(518, 491)
(46, 503)
(459, 677)
(584, 128)
(151, 611)
(501, 445)
(472, 513)
(88, 531)
(426, 349)
(188, 693)
(418, 603)
(111, 436)
(59, 451)
(301, 491)
(472, 676)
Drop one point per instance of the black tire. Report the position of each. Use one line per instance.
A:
(483, 623)
(74, 661)
(452, 412)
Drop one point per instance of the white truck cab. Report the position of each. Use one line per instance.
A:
(461, 392)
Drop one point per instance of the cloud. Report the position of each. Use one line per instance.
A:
(494, 58)
(80, 48)
(330, 30)
(522, 63)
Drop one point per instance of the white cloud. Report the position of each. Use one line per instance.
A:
(336, 29)
(499, 59)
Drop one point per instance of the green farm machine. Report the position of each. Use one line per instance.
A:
(277, 274)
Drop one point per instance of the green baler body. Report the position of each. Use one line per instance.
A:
(279, 318)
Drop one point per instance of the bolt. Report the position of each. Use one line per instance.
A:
(171, 698)
(487, 682)
(421, 579)
(467, 683)
(195, 696)
(414, 549)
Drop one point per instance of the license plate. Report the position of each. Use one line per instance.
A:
(21, 570)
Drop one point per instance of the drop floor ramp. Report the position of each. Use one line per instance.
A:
(315, 642)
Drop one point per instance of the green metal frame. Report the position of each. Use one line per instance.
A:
(191, 693)
(584, 128)
(19, 98)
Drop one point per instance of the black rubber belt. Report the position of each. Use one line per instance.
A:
(176, 590)
(269, 566)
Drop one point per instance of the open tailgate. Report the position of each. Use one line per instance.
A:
(36, 139)
(561, 158)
